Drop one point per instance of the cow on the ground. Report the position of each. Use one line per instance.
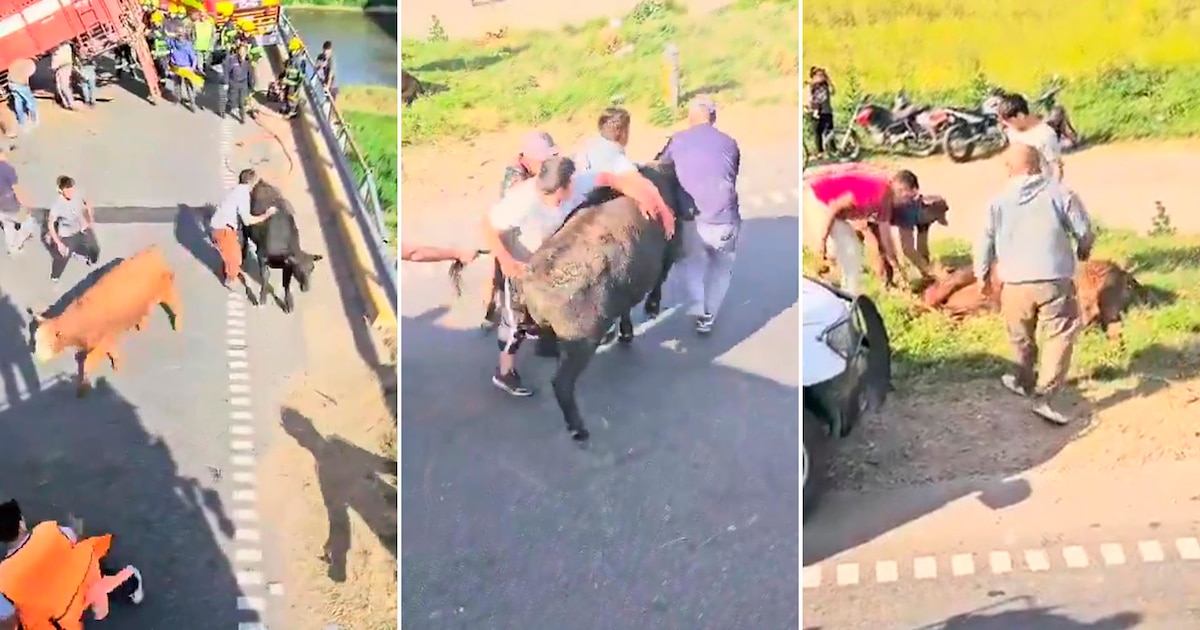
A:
(1102, 287)
(121, 299)
(277, 244)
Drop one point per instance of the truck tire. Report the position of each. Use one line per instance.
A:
(815, 447)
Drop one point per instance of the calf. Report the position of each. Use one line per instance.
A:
(1103, 288)
(277, 244)
(121, 299)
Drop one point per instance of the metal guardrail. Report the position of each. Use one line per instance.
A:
(352, 169)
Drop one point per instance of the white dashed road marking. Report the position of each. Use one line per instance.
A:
(247, 552)
(1000, 562)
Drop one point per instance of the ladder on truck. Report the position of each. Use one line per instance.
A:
(100, 33)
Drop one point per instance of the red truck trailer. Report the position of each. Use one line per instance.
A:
(31, 28)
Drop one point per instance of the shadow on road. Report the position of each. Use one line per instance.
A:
(17, 368)
(1034, 619)
(683, 505)
(350, 478)
(93, 459)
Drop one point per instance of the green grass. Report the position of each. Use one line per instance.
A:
(1132, 69)
(528, 78)
(932, 349)
(371, 114)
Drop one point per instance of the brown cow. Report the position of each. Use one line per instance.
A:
(121, 299)
(1104, 290)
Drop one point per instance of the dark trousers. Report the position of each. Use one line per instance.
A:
(824, 125)
(231, 97)
(83, 243)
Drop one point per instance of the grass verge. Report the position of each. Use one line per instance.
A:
(1131, 68)
(371, 114)
(929, 348)
(745, 52)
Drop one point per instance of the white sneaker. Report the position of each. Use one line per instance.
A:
(704, 323)
(1009, 381)
(1047, 413)
(139, 593)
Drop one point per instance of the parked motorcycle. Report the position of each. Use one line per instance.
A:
(969, 130)
(1055, 115)
(905, 128)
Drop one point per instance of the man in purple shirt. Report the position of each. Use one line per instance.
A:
(707, 162)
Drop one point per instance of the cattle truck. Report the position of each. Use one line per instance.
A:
(32, 28)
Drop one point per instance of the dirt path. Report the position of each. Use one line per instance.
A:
(472, 18)
(1119, 183)
(455, 182)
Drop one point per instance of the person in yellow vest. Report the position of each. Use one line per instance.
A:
(291, 80)
(205, 37)
(49, 577)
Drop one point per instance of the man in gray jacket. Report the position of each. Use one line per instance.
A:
(1037, 229)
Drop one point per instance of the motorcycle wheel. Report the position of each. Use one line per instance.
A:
(843, 144)
(921, 145)
(959, 143)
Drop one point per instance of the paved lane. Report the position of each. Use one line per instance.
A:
(150, 456)
(681, 513)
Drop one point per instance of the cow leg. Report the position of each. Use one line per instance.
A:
(170, 301)
(91, 361)
(573, 358)
(288, 304)
(114, 358)
(264, 272)
(653, 305)
(625, 329)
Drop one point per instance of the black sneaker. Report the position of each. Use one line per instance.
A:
(511, 384)
(704, 323)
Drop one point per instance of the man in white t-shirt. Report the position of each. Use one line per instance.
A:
(1025, 128)
(533, 210)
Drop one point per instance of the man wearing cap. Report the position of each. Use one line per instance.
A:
(707, 162)
(606, 151)
(530, 212)
(912, 216)
(536, 147)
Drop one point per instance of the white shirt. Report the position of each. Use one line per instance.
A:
(60, 57)
(235, 205)
(524, 221)
(1041, 137)
(602, 154)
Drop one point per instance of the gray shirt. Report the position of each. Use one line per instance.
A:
(68, 214)
(1030, 229)
(603, 155)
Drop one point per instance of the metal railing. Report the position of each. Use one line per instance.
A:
(352, 169)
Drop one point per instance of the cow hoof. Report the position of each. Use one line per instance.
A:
(580, 435)
(653, 309)
(82, 390)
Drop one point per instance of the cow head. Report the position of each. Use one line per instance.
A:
(47, 338)
(302, 264)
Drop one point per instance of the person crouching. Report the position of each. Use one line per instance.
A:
(49, 577)
(235, 208)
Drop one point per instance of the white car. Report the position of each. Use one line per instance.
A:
(846, 369)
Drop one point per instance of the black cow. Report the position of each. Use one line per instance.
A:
(590, 274)
(277, 244)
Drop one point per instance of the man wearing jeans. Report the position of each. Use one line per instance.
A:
(15, 219)
(1030, 228)
(707, 162)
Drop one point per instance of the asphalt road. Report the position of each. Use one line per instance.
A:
(148, 456)
(683, 510)
(1081, 549)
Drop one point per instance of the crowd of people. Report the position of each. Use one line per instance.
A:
(541, 188)
(191, 51)
(1036, 230)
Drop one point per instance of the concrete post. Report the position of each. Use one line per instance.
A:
(671, 75)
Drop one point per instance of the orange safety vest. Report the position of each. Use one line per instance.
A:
(47, 578)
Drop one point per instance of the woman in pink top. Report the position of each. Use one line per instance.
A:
(837, 195)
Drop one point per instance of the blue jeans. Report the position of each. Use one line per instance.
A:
(24, 105)
(87, 88)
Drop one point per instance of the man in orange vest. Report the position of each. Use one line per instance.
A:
(49, 577)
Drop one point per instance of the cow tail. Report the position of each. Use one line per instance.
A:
(455, 273)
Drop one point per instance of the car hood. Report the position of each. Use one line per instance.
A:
(822, 308)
